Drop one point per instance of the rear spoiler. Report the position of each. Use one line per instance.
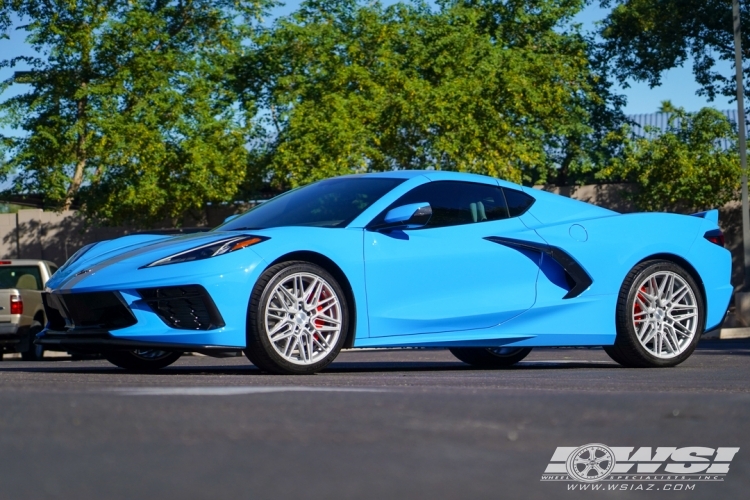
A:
(710, 215)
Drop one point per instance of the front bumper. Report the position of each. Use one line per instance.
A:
(138, 307)
(173, 318)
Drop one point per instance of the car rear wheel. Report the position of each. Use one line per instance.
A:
(142, 359)
(298, 319)
(491, 357)
(34, 352)
(660, 316)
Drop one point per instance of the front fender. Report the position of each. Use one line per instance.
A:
(342, 246)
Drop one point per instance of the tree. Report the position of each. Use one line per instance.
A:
(691, 165)
(129, 112)
(647, 37)
(578, 155)
(482, 86)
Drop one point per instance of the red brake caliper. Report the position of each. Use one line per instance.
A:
(319, 322)
(637, 308)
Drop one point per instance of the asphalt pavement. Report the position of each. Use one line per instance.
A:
(375, 425)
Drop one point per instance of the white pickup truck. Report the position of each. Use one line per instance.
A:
(21, 309)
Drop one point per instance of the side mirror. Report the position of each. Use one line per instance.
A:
(231, 217)
(411, 216)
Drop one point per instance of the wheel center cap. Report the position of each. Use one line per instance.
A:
(300, 318)
(659, 314)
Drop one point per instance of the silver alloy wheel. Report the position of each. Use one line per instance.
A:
(303, 318)
(665, 314)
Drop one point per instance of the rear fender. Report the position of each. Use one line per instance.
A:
(608, 248)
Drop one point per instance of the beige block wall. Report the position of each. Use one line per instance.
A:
(55, 236)
(36, 234)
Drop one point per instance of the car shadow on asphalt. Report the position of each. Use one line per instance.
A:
(345, 367)
(735, 347)
(433, 366)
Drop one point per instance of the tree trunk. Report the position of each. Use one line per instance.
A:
(564, 170)
(75, 183)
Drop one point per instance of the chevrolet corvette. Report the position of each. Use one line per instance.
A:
(480, 266)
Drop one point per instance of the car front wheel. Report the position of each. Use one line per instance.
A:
(298, 319)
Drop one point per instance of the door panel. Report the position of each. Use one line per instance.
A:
(448, 278)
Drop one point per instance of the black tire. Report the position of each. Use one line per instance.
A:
(145, 360)
(260, 350)
(490, 357)
(34, 352)
(628, 349)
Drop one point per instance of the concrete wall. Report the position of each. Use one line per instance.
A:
(36, 234)
(53, 236)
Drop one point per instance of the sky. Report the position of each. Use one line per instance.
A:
(678, 85)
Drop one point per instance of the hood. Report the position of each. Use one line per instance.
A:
(130, 253)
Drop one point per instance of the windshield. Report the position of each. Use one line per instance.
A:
(329, 203)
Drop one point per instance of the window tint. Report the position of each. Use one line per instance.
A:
(23, 277)
(518, 202)
(455, 203)
(329, 203)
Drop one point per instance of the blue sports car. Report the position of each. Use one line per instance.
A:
(483, 267)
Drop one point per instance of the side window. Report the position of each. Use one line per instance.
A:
(455, 203)
(52, 268)
(518, 202)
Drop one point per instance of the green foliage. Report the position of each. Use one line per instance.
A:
(485, 86)
(577, 156)
(647, 37)
(685, 168)
(9, 208)
(141, 110)
(129, 109)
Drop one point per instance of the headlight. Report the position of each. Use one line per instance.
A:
(227, 245)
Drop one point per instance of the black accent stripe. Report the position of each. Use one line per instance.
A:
(484, 343)
(99, 340)
(579, 276)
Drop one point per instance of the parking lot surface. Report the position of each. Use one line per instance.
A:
(376, 424)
